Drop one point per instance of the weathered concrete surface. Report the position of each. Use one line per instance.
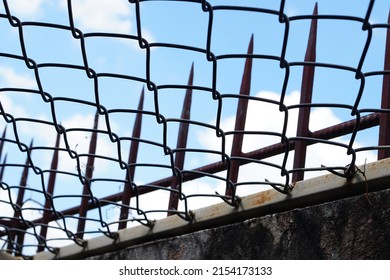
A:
(351, 228)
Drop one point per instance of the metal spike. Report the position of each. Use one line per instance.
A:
(88, 175)
(306, 97)
(384, 124)
(50, 190)
(23, 182)
(127, 191)
(1, 153)
(182, 141)
(2, 141)
(20, 197)
(3, 168)
(242, 107)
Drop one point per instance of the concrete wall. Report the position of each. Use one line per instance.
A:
(350, 228)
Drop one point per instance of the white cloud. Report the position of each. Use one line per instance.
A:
(266, 117)
(6, 209)
(103, 15)
(45, 135)
(27, 130)
(79, 141)
(10, 78)
(148, 36)
(26, 7)
(290, 11)
(31, 210)
(11, 108)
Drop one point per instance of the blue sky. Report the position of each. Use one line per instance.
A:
(339, 42)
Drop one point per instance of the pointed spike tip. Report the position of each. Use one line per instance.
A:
(251, 44)
(185, 114)
(388, 18)
(191, 76)
(141, 99)
(312, 41)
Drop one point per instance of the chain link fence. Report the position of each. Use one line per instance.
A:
(123, 113)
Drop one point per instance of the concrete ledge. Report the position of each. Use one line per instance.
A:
(350, 228)
(305, 193)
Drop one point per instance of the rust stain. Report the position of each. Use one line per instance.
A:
(262, 198)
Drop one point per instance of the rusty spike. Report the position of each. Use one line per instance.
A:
(2, 141)
(20, 197)
(23, 183)
(127, 191)
(384, 124)
(242, 107)
(3, 168)
(182, 140)
(1, 153)
(50, 190)
(306, 97)
(88, 175)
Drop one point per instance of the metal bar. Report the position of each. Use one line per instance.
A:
(181, 142)
(306, 97)
(50, 190)
(384, 126)
(88, 175)
(127, 191)
(313, 191)
(239, 127)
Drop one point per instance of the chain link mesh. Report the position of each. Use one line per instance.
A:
(91, 144)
